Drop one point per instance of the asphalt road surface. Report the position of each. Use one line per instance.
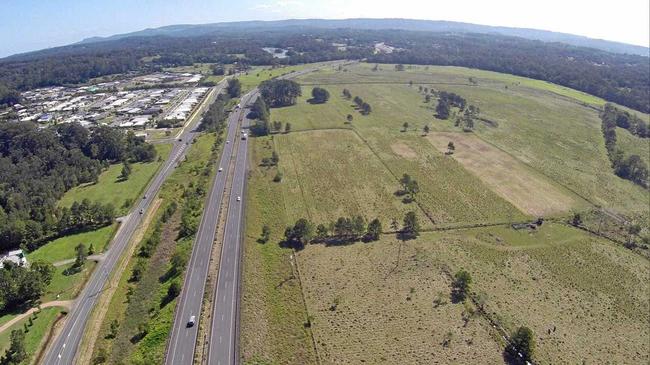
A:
(64, 347)
(180, 349)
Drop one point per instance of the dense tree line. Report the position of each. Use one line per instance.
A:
(615, 77)
(37, 166)
(627, 167)
(21, 286)
(214, 119)
(280, 92)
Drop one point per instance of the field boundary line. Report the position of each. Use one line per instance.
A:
(295, 168)
(304, 303)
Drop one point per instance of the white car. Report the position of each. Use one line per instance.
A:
(220, 169)
(227, 142)
(239, 198)
(192, 321)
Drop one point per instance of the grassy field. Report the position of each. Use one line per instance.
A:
(272, 310)
(558, 277)
(256, 75)
(109, 189)
(545, 129)
(389, 301)
(41, 326)
(65, 285)
(63, 248)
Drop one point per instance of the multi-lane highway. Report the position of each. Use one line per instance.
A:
(64, 348)
(223, 330)
(180, 349)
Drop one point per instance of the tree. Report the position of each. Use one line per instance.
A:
(277, 126)
(138, 270)
(91, 249)
(346, 94)
(81, 255)
(358, 226)
(411, 225)
(260, 110)
(300, 234)
(319, 95)
(174, 289)
(426, 129)
(412, 188)
(577, 219)
(16, 353)
(374, 230)
(522, 342)
(461, 284)
(400, 67)
(126, 171)
(275, 159)
(266, 234)
(178, 262)
(349, 118)
(405, 126)
(234, 88)
(405, 180)
(287, 127)
(321, 232)
(427, 98)
(280, 92)
(218, 70)
(450, 148)
(442, 109)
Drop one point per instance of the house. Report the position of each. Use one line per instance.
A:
(15, 256)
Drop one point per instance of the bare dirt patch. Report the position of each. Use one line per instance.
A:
(403, 150)
(526, 189)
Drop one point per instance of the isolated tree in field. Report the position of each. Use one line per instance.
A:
(346, 94)
(461, 284)
(91, 249)
(277, 126)
(126, 171)
(427, 98)
(357, 100)
(411, 227)
(412, 188)
(287, 127)
(523, 342)
(81, 254)
(275, 159)
(374, 230)
(450, 148)
(319, 95)
(266, 234)
(426, 130)
(233, 88)
(365, 108)
(349, 118)
(405, 126)
(420, 88)
(405, 180)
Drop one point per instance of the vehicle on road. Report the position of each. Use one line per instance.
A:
(239, 198)
(244, 136)
(192, 321)
(227, 142)
(220, 169)
(141, 211)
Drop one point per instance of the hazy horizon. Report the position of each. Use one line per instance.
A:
(67, 22)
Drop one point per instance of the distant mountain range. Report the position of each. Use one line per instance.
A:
(194, 30)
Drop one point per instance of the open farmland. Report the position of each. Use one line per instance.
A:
(587, 289)
(508, 177)
(540, 153)
(545, 126)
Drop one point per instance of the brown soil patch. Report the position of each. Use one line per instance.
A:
(529, 191)
(403, 150)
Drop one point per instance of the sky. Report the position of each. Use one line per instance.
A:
(27, 25)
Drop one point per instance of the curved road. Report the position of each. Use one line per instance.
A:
(64, 348)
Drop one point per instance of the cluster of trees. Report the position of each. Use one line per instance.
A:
(16, 353)
(364, 108)
(21, 286)
(37, 166)
(319, 95)
(629, 167)
(626, 120)
(446, 101)
(234, 88)
(344, 229)
(280, 92)
(191, 212)
(84, 215)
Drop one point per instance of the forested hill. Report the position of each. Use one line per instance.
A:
(439, 26)
(619, 78)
